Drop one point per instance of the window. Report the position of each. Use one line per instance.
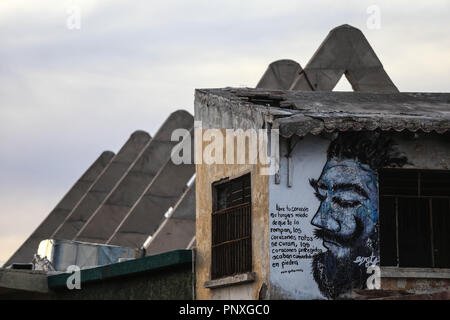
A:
(415, 218)
(231, 227)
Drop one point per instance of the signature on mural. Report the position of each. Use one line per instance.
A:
(367, 261)
(347, 218)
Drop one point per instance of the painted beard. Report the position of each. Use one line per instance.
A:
(330, 274)
(338, 275)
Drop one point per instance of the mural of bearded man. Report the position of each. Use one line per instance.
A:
(347, 218)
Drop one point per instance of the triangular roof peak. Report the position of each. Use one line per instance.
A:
(345, 51)
(280, 74)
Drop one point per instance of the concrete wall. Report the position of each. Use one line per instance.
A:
(291, 209)
(217, 113)
(13, 283)
(415, 280)
(425, 150)
(205, 176)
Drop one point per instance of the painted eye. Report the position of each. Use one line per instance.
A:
(346, 203)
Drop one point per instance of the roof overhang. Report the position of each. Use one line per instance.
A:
(301, 113)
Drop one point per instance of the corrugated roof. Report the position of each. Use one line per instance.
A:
(316, 112)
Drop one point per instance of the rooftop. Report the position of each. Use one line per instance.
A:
(300, 112)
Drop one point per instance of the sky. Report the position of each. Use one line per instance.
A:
(78, 77)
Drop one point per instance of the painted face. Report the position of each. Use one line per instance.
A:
(348, 210)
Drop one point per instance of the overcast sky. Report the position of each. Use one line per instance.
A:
(67, 94)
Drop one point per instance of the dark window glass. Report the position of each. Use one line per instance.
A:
(441, 230)
(414, 241)
(414, 218)
(388, 231)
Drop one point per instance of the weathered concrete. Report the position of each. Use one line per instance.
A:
(410, 284)
(345, 51)
(440, 295)
(148, 212)
(177, 231)
(135, 182)
(223, 112)
(231, 280)
(415, 273)
(280, 75)
(102, 186)
(435, 146)
(25, 253)
(207, 174)
(25, 280)
(384, 294)
(416, 285)
(301, 113)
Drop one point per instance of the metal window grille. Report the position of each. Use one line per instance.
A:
(414, 218)
(231, 228)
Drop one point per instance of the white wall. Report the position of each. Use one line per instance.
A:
(295, 281)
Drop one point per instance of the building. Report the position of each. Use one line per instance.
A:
(359, 196)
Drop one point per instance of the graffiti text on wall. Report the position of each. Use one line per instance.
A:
(288, 243)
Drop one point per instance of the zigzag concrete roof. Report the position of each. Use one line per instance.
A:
(345, 51)
(152, 184)
(162, 193)
(280, 74)
(117, 186)
(102, 186)
(177, 231)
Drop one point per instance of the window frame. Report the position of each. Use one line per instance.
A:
(418, 197)
(248, 251)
